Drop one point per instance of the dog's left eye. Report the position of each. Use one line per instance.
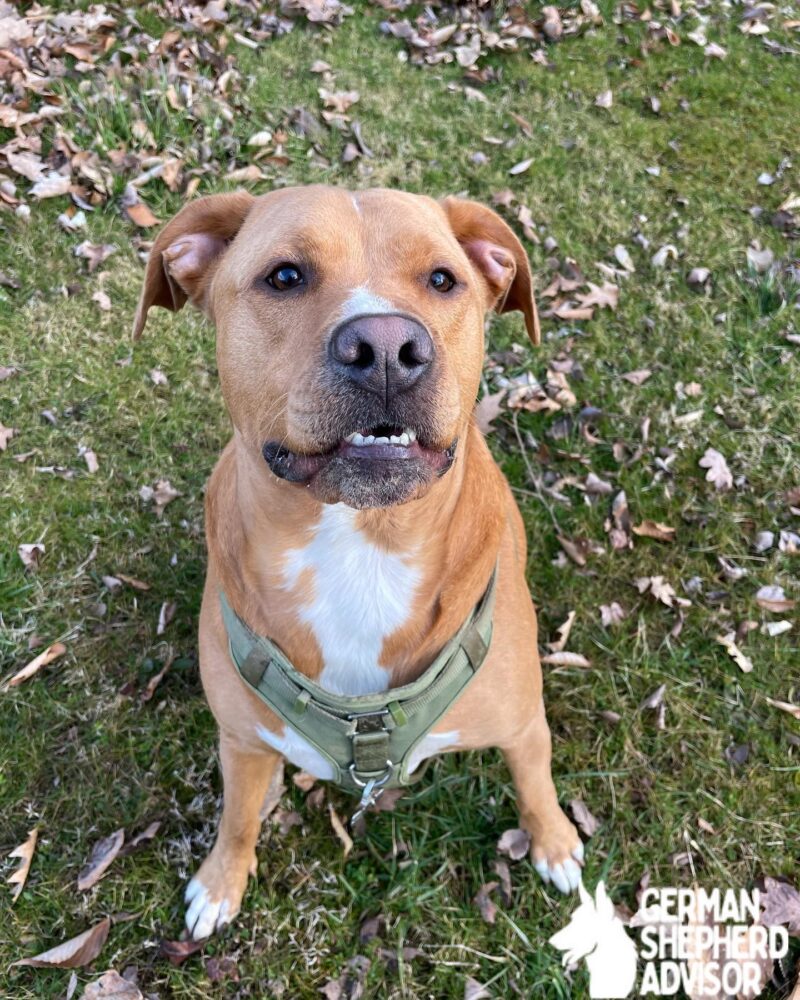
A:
(284, 277)
(441, 280)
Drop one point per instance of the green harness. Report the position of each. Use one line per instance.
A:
(368, 740)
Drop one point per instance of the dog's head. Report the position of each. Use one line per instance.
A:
(349, 326)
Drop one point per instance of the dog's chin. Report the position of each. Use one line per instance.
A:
(366, 474)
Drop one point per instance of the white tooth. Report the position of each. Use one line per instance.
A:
(394, 439)
(412, 436)
(356, 438)
(370, 439)
(381, 440)
(404, 439)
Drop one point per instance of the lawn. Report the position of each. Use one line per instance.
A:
(696, 153)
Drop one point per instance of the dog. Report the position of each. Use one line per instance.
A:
(356, 520)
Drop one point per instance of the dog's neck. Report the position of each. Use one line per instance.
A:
(358, 600)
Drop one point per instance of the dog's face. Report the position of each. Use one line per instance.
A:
(349, 326)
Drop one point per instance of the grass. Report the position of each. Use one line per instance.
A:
(83, 756)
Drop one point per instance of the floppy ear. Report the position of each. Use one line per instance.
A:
(499, 258)
(187, 251)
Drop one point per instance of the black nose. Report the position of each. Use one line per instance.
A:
(386, 355)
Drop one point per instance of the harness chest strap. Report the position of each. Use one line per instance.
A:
(369, 738)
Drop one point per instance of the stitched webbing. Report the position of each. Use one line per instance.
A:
(368, 735)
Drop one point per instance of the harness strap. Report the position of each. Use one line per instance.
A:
(370, 737)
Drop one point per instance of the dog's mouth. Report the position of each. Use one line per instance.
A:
(373, 466)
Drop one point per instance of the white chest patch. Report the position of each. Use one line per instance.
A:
(297, 751)
(361, 595)
(432, 744)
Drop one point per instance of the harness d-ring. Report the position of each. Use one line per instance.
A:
(372, 789)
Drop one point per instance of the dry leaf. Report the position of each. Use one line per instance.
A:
(103, 854)
(130, 580)
(92, 465)
(488, 409)
(658, 587)
(25, 853)
(178, 951)
(605, 296)
(718, 472)
(521, 167)
(785, 706)
(31, 554)
(780, 905)
(655, 529)
(75, 953)
(165, 616)
(102, 300)
(773, 598)
(340, 831)
(637, 377)
(473, 990)
(563, 634)
(611, 614)
(604, 99)
(6, 433)
(484, 902)
(514, 843)
(585, 821)
(565, 659)
(112, 986)
(340, 100)
(729, 642)
(51, 653)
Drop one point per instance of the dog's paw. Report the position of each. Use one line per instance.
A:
(557, 855)
(213, 897)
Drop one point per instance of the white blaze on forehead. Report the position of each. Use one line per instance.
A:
(362, 302)
(297, 750)
(361, 595)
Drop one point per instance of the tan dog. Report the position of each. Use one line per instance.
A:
(356, 516)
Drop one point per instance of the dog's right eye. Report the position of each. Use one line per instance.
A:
(284, 277)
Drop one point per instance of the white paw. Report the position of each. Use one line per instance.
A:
(204, 916)
(565, 875)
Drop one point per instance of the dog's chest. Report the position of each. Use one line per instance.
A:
(360, 595)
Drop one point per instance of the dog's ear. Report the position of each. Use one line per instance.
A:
(498, 256)
(187, 251)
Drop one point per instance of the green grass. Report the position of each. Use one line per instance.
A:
(80, 758)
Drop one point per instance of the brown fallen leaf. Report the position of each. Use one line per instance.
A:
(340, 831)
(47, 656)
(620, 532)
(103, 854)
(488, 409)
(75, 953)
(744, 663)
(637, 377)
(658, 588)
(563, 632)
(31, 554)
(773, 598)
(163, 494)
(473, 990)
(514, 843)
(339, 101)
(655, 529)
(25, 853)
(143, 837)
(6, 433)
(165, 616)
(221, 969)
(484, 902)
(780, 904)
(718, 472)
(785, 706)
(612, 614)
(565, 659)
(605, 296)
(112, 986)
(130, 580)
(585, 821)
(178, 951)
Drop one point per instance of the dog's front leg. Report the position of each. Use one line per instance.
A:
(556, 848)
(215, 893)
